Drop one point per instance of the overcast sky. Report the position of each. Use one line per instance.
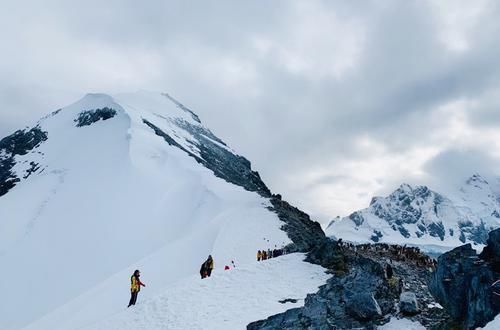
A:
(332, 101)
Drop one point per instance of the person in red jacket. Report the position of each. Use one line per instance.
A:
(135, 287)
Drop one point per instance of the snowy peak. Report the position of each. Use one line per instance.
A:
(112, 183)
(132, 114)
(419, 215)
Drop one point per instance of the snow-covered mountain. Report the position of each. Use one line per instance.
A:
(421, 216)
(113, 183)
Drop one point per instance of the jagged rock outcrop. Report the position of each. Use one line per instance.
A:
(19, 143)
(88, 117)
(462, 283)
(357, 298)
(327, 253)
(304, 232)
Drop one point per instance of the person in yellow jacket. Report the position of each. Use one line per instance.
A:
(259, 255)
(135, 287)
(209, 264)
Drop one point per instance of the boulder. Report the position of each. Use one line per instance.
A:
(408, 303)
(363, 306)
(462, 283)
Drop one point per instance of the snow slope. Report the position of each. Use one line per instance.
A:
(228, 300)
(398, 324)
(114, 183)
(416, 215)
(493, 325)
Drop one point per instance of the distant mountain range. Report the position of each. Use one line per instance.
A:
(421, 216)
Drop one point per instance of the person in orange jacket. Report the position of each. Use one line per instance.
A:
(135, 287)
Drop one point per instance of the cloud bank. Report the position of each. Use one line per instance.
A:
(333, 101)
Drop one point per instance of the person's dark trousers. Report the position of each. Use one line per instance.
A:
(133, 298)
(209, 272)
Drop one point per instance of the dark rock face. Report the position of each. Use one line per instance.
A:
(328, 254)
(462, 283)
(356, 299)
(476, 233)
(225, 165)
(363, 306)
(491, 253)
(19, 143)
(436, 230)
(357, 218)
(304, 233)
(88, 117)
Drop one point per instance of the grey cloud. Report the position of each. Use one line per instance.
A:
(261, 76)
(451, 167)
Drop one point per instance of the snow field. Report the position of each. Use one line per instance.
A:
(227, 300)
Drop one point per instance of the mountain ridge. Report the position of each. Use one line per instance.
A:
(415, 214)
(111, 183)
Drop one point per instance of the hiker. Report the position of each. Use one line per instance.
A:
(232, 263)
(259, 255)
(264, 255)
(269, 253)
(203, 270)
(209, 265)
(226, 267)
(388, 271)
(135, 287)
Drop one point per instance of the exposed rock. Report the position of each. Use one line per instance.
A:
(19, 143)
(354, 299)
(304, 233)
(491, 253)
(327, 254)
(408, 303)
(88, 117)
(462, 283)
(350, 298)
(216, 157)
(363, 306)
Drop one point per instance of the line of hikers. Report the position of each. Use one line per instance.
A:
(397, 252)
(264, 255)
(205, 271)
